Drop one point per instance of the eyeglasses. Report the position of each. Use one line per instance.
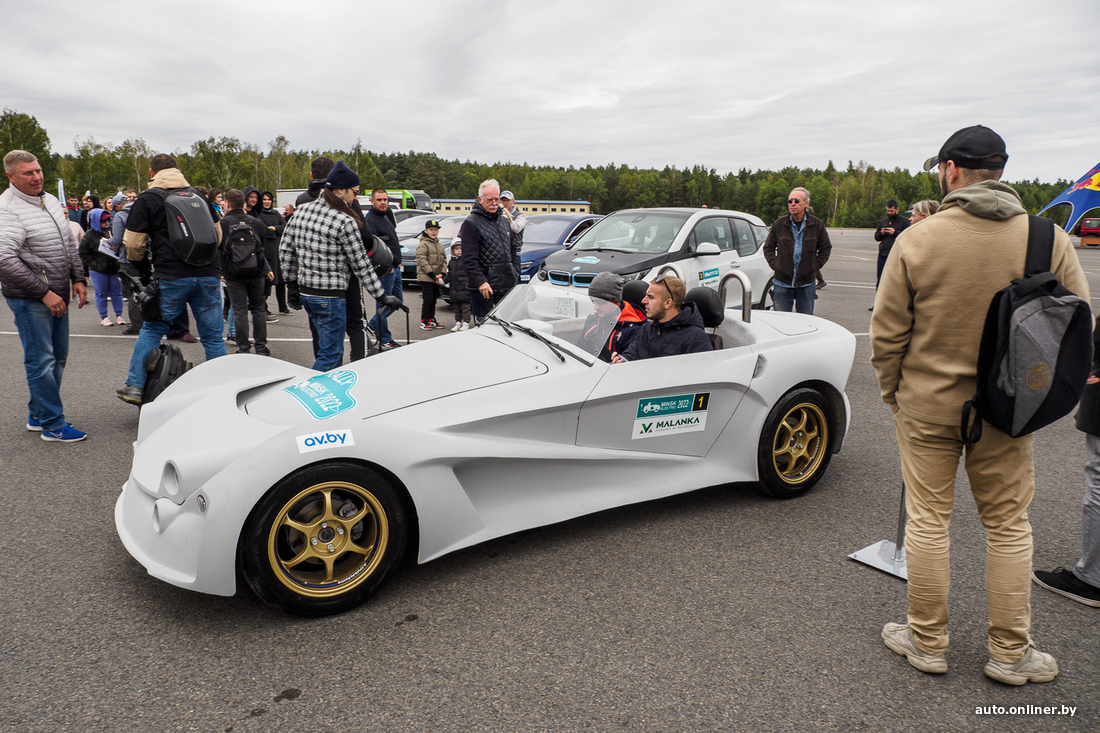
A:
(794, 201)
(661, 279)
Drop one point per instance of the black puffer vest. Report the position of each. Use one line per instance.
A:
(494, 247)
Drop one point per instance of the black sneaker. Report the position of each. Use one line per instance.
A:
(1065, 583)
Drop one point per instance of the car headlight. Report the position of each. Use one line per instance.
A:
(525, 265)
(634, 275)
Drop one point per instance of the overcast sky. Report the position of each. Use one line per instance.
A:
(727, 84)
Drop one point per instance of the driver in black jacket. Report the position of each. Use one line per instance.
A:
(674, 327)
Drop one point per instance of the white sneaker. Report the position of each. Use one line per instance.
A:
(456, 327)
(465, 326)
(106, 322)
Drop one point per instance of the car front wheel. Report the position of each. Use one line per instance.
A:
(795, 446)
(324, 539)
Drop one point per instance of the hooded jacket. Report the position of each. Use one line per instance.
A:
(618, 339)
(270, 218)
(147, 228)
(37, 250)
(247, 190)
(431, 259)
(310, 194)
(90, 255)
(683, 334)
(935, 292)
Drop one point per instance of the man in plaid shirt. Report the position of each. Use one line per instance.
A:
(321, 245)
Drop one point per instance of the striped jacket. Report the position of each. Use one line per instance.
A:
(320, 247)
(37, 250)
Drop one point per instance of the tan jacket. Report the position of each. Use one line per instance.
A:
(431, 260)
(935, 291)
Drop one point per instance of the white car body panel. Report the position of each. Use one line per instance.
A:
(512, 438)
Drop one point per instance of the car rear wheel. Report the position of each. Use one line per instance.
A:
(767, 302)
(324, 539)
(796, 444)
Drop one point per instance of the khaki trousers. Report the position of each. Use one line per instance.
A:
(1002, 480)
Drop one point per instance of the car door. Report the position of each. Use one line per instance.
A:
(750, 260)
(673, 404)
(709, 269)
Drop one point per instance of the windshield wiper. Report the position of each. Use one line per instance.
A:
(558, 351)
(503, 324)
(605, 249)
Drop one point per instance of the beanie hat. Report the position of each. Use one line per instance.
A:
(341, 177)
(608, 286)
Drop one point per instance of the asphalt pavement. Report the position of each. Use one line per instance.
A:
(719, 610)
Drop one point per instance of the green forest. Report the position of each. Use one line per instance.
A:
(854, 195)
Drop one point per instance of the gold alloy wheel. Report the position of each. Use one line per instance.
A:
(328, 539)
(800, 443)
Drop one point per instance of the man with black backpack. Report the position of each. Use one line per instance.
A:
(245, 266)
(183, 248)
(929, 317)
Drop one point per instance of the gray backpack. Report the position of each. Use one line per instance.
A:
(1036, 348)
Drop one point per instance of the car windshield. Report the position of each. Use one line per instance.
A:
(543, 231)
(571, 316)
(633, 231)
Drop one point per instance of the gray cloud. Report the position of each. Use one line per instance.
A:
(729, 85)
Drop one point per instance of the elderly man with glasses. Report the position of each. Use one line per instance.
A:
(797, 247)
(490, 251)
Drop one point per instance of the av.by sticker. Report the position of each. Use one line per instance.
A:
(325, 440)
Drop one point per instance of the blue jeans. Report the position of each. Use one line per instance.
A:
(800, 299)
(204, 295)
(45, 342)
(391, 285)
(329, 316)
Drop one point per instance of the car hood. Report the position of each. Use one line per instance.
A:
(428, 370)
(595, 261)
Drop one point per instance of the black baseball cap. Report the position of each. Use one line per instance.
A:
(969, 147)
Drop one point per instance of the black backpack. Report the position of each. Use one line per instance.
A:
(241, 251)
(191, 228)
(164, 365)
(1036, 348)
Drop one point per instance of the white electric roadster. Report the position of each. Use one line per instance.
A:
(310, 485)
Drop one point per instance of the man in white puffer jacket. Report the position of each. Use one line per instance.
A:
(40, 273)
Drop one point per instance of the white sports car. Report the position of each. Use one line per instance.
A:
(312, 485)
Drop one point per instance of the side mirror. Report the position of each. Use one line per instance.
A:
(707, 249)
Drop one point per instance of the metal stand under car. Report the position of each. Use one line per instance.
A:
(884, 555)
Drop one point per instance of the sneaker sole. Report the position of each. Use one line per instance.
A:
(929, 666)
(129, 400)
(34, 428)
(49, 439)
(1051, 588)
(995, 672)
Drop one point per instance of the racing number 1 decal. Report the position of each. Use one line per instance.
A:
(661, 416)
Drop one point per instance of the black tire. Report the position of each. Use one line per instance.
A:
(324, 539)
(767, 302)
(796, 444)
